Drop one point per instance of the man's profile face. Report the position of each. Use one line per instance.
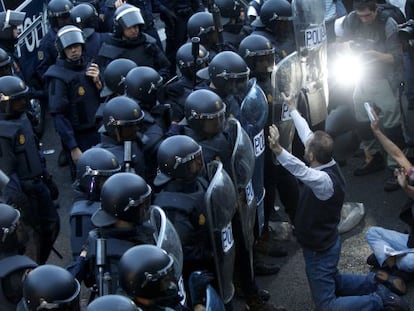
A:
(366, 15)
(131, 32)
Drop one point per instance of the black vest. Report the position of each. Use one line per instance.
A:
(317, 221)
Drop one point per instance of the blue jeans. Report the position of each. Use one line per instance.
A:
(333, 291)
(378, 237)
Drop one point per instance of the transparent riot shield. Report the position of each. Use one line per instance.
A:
(167, 238)
(253, 117)
(220, 201)
(242, 158)
(286, 78)
(311, 42)
(242, 170)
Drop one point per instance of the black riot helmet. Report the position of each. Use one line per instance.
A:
(124, 196)
(5, 64)
(200, 24)
(142, 84)
(121, 118)
(185, 59)
(111, 303)
(13, 93)
(85, 16)
(179, 157)
(276, 15)
(228, 72)
(50, 287)
(114, 76)
(58, 13)
(11, 241)
(93, 168)
(151, 277)
(205, 112)
(67, 36)
(259, 54)
(229, 9)
(9, 20)
(126, 16)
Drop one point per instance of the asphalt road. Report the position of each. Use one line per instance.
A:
(289, 287)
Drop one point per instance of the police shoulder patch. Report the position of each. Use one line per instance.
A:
(22, 139)
(81, 91)
(201, 220)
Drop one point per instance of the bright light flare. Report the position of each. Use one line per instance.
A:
(346, 69)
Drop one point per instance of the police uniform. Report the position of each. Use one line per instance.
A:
(47, 53)
(176, 34)
(80, 223)
(143, 51)
(73, 101)
(20, 160)
(118, 241)
(117, 148)
(183, 202)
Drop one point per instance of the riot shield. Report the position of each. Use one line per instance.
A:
(311, 43)
(253, 117)
(243, 163)
(167, 238)
(286, 78)
(220, 201)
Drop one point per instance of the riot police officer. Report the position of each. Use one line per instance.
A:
(177, 91)
(129, 41)
(122, 220)
(12, 262)
(205, 117)
(150, 281)
(229, 76)
(201, 25)
(30, 187)
(73, 87)
(9, 20)
(275, 24)
(259, 54)
(175, 17)
(143, 84)
(58, 15)
(232, 21)
(114, 83)
(94, 167)
(122, 117)
(85, 16)
(114, 77)
(112, 302)
(182, 193)
(50, 287)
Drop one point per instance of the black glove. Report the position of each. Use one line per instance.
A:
(168, 17)
(197, 284)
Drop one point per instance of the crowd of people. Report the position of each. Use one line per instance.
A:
(190, 140)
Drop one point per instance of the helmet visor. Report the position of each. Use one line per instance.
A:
(137, 211)
(130, 17)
